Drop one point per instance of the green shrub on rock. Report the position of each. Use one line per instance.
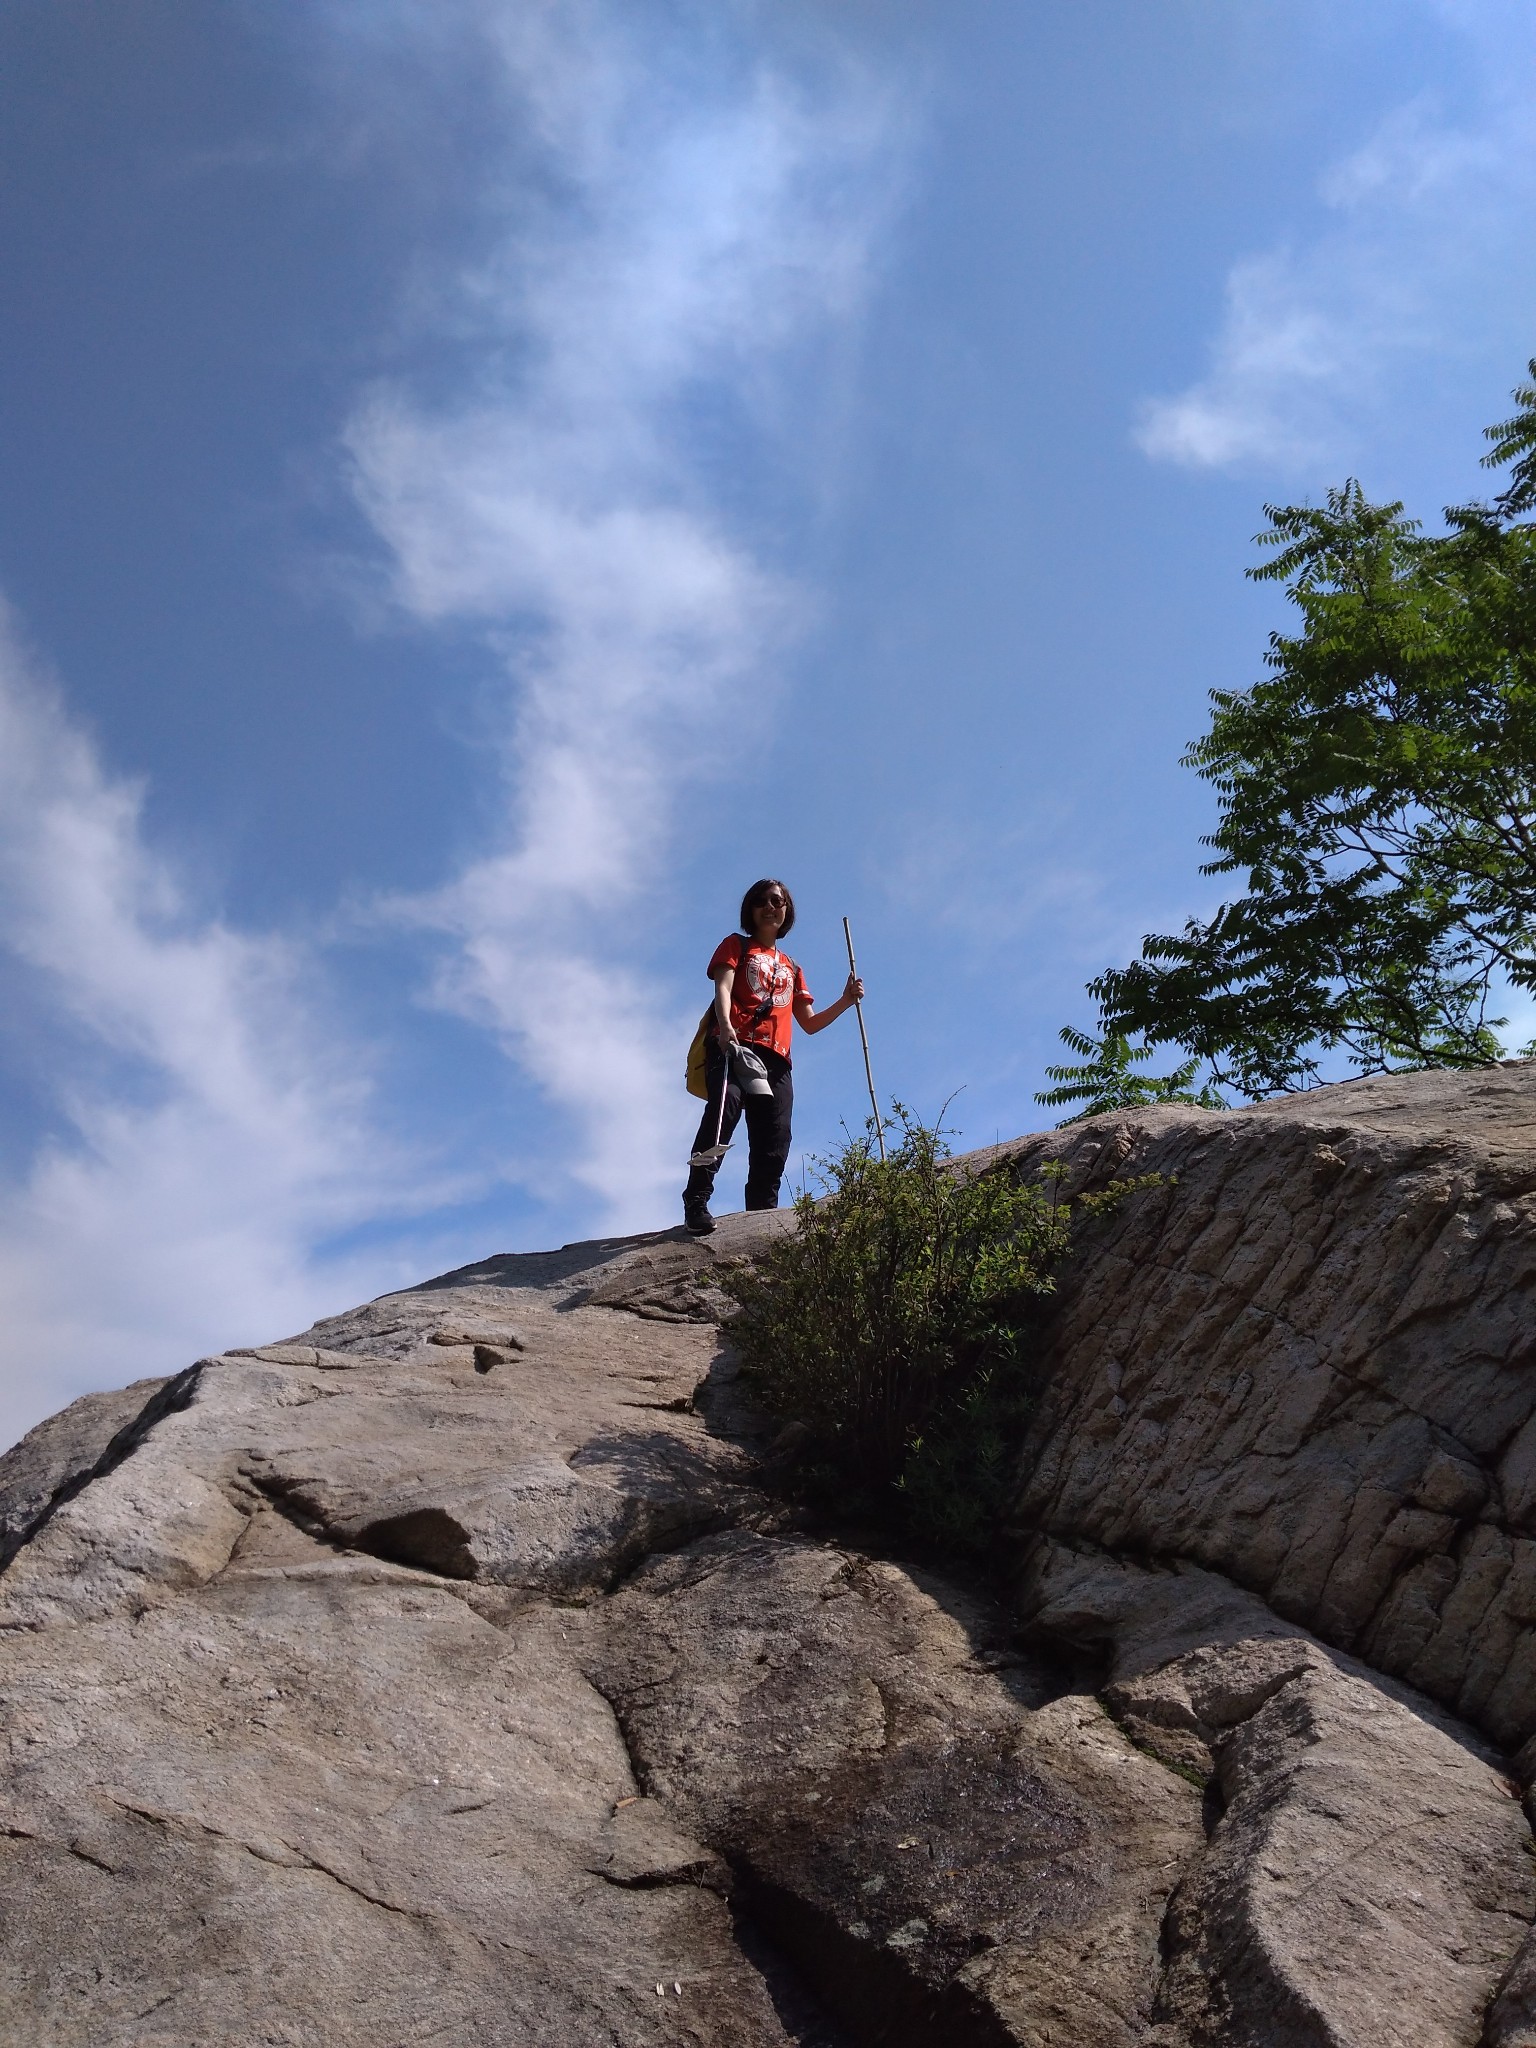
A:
(895, 1324)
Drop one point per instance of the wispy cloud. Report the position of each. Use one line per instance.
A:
(678, 227)
(1424, 246)
(989, 884)
(632, 337)
(212, 1129)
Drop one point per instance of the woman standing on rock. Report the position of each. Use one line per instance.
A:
(757, 991)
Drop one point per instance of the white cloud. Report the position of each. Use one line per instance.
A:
(1423, 251)
(1281, 362)
(711, 223)
(214, 1130)
(677, 240)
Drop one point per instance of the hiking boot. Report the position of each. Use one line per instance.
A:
(697, 1220)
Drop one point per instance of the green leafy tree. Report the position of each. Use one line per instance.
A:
(1514, 441)
(1105, 1079)
(1377, 796)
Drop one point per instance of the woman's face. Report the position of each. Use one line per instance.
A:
(769, 913)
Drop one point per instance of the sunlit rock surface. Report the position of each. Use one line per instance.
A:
(448, 1673)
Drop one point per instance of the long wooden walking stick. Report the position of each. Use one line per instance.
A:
(864, 1041)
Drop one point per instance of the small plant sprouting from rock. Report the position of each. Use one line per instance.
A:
(895, 1324)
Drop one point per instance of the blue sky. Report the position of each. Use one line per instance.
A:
(480, 481)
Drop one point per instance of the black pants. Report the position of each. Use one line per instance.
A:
(768, 1121)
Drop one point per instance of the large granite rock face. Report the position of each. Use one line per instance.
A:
(449, 1673)
(1371, 1869)
(1309, 1363)
(299, 1744)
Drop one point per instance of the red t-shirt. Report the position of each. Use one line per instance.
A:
(768, 972)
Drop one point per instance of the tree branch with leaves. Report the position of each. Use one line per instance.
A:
(1377, 799)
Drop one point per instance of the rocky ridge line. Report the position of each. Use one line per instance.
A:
(447, 1672)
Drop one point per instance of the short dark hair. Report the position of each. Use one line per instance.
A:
(756, 894)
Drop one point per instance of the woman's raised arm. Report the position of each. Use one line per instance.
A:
(813, 1020)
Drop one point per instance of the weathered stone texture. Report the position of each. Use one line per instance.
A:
(447, 1673)
(61, 1454)
(1309, 1363)
(1371, 1875)
(298, 1750)
(948, 1848)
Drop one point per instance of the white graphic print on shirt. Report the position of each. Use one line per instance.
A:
(765, 970)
